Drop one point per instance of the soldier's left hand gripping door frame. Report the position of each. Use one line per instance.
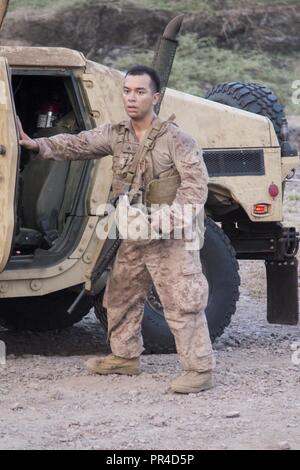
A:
(9, 164)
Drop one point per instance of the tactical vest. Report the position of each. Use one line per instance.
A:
(131, 160)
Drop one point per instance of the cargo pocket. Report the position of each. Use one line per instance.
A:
(194, 291)
(191, 263)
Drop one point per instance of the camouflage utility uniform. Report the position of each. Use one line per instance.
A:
(175, 271)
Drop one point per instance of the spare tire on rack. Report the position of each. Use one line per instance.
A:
(251, 97)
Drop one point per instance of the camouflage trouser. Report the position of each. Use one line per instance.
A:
(183, 291)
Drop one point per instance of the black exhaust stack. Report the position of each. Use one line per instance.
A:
(165, 53)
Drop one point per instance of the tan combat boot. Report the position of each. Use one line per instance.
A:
(112, 364)
(192, 382)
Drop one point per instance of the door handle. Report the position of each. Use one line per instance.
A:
(2, 150)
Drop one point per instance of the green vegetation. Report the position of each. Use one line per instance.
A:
(207, 6)
(293, 196)
(184, 6)
(49, 4)
(199, 64)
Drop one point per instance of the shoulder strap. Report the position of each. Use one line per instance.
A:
(146, 144)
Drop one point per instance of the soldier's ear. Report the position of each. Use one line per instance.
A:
(156, 98)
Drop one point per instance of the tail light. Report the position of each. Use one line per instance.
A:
(261, 209)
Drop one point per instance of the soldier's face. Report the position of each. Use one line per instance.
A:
(138, 96)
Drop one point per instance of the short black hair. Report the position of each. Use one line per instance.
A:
(145, 70)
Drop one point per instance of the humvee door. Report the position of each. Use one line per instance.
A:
(9, 157)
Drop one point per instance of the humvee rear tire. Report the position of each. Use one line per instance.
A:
(221, 269)
(252, 97)
(48, 312)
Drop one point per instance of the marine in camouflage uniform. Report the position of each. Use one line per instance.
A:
(175, 271)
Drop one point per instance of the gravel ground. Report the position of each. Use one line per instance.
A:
(49, 401)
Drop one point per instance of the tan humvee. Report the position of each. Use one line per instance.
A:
(49, 211)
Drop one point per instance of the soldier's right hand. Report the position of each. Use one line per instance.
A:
(25, 140)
